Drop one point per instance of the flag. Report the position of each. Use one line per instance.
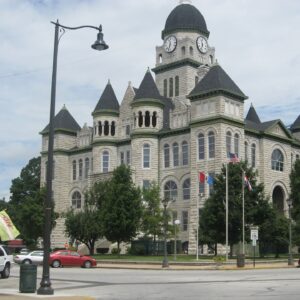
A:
(210, 180)
(247, 183)
(202, 177)
(233, 158)
(8, 231)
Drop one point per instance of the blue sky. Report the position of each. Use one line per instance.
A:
(257, 44)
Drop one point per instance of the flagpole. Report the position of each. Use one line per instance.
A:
(243, 208)
(197, 237)
(226, 211)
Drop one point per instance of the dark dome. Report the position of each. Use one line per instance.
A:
(185, 17)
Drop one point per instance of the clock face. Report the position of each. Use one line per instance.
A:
(202, 44)
(170, 43)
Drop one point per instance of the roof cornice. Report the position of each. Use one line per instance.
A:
(176, 64)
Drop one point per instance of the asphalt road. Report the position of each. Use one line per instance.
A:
(168, 284)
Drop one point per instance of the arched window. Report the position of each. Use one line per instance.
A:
(246, 151)
(105, 161)
(183, 51)
(147, 119)
(237, 145)
(160, 58)
(228, 143)
(253, 155)
(140, 119)
(76, 200)
(201, 147)
(191, 51)
(171, 87)
(146, 156)
(113, 128)
(176, 85)
(170, 190)
(87, 167)
(186, 189)
(211, 144)
(106, 128)
(165, 87)
(154, 119)
(100, 128)
(185, 153)
(277, 160)
(80, 166)
(167, 155)
(175, 155)
(127, 130)
(74, 169)
(211, 59)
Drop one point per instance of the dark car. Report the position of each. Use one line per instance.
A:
(70, 258)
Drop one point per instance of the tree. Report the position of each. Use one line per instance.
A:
(152, 216)
(295, 196)
(258, 211)
(122, 209)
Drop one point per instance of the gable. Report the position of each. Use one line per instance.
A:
(279, 130)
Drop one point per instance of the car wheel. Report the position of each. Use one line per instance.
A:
(87, 264)
(27, 262)
(6, 272)
(56, 264)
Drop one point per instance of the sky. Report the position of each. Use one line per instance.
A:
(257, 43)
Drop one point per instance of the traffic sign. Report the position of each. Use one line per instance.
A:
(254, 234)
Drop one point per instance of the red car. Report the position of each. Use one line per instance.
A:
(62, 258)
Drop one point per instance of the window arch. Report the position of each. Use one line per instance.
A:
(175, 155)
(277, 160)
(80, 167)
(165, 87)
(106, 128)
(186, 189)
(113, 128)
(146, 156)
(74, 169)
(170, 190)
(167, 155)
(154, 119)
(176, 85)
(211, 144)
(228, 142)
(105, 161)
(185, 153)
(201, 148)
(253, 155)
(76, 200)
(86, 167)
(246, 151)
(237, 145)
(147, 119)
(171, 87)
(140, 119)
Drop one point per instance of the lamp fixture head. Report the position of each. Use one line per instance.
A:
(100, 43)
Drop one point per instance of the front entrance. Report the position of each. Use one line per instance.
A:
(278, 197)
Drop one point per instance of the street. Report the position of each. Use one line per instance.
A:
(168, 284)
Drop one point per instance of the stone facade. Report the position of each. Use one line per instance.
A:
(205, 102)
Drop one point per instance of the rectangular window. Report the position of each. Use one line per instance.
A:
(146, 184)
(146, 156)
(122, 160)
(171, 87)
(128, 158)
(127, 128)
(185, 220)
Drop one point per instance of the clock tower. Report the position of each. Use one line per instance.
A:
(184, 53)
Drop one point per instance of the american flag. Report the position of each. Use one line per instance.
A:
(233, 157)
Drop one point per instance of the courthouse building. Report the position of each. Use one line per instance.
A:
(184, 117)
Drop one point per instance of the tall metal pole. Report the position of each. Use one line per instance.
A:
(45, 285)
(175, 241)
(243, 209)
(226, 204)
(290, 260)
(197, 231)
(165, 262)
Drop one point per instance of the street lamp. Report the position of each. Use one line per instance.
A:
(176, 223)
(165, 263)
(290, 259)
(197, 228)
(45, 285)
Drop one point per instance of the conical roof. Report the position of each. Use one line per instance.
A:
(147, 89)
(185, 17)
(296, 125)
(63, 121)
(252, 115)
(108, 100)
(217, 80)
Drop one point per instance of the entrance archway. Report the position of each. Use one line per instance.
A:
(278, 199)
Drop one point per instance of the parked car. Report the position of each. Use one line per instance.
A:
(24, 251)
(34, 257)
(62, 258)
(6, 260)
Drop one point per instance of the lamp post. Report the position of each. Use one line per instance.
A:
(165, 263)
(290, 259)
(176, 223)
(45, 285)
(197, 228)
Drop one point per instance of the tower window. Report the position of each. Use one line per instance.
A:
(167, 155)
(154, 119)
(186, 189)
(106, 128)
(160, 58)
(100, 128)
(175, 155)
(105, 161)
(211, 144)
(147, 119)
(171, 87)
(185, 153)
(211, 59)
(74, 169)
(183, 51)
(236, 144)
(113, 128)
(80, 168)
(127, 129)
(228, 143)
(196, 80)
(140, 119)
(201, 146)
(146, 156)
(253, 155)
(165, 87)
(177, 86)
(191, 51)
(87, 167)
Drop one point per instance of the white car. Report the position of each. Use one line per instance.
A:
(34, 257)
(5, 261)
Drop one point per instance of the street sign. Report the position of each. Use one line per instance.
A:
(253, 242)
(254, 234)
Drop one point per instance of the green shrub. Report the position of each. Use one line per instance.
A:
(115, 251)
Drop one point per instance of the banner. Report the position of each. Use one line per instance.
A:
(8, 231)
